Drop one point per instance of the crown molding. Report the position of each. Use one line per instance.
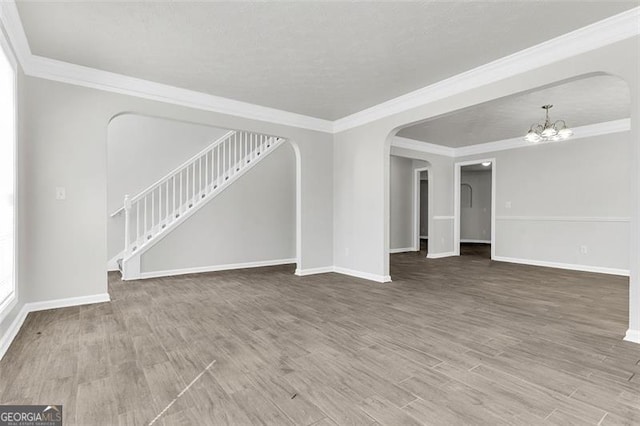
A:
(431, 148)
(598, 34)
(585, 39)
(65, 72)
(605, 128)
(51, 69)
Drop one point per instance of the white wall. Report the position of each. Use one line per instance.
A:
(140, 151)
(251, 221)
(564, 196)
(475, 222)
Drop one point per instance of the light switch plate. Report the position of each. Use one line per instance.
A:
(61, 193)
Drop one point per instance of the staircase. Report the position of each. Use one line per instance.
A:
(159, 209)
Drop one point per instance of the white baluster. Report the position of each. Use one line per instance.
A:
(145, 219)
(206, 170)
(218, 168)
(127, 210)
(138, 222)
(180, 200)
(153, 208)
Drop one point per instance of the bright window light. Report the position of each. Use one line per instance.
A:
(7, 179)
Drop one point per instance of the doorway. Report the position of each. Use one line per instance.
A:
(421, 210)
(474, 216)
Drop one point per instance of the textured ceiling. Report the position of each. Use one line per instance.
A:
(580, 102)
(323, 59)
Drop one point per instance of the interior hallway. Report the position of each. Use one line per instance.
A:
(450, 340)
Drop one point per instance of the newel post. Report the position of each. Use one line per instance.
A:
(127, 211)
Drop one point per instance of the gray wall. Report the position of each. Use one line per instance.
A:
(253, 220)
(133, 140)
(440, 220)
(564, 196)
(401, 181)
(475, 221)
(65, 144)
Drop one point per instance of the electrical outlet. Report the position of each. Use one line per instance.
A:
(584, 249)
(61, 193)
(507, 205)
(346, 251)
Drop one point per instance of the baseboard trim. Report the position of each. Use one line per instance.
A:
(215, 268)
(12, 331)
(364, 275)
(313, 271)
(112, 264)
(567, 266)
(632, 336)
(475, 241)
(14, 328)
(402, 250)
(440, 255)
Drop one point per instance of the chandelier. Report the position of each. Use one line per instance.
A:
(548, 131)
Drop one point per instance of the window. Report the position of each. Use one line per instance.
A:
(7, 176)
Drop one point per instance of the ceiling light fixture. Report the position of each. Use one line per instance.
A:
(486, 163)
(548, 131)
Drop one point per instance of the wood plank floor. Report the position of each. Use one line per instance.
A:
(450, 341)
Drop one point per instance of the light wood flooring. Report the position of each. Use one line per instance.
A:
(450, 341)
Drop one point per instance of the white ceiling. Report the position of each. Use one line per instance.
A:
(580, 102)
(325, 60)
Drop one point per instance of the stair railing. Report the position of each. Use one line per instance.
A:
(164, 202)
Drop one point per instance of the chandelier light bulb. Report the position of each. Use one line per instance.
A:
(532, 137)
(565, 133)
(548, 130)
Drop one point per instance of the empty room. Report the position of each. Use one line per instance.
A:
(319, 213)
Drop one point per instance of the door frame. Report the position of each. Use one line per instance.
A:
(456, 203)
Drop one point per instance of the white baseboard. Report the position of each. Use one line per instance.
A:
(12, 331)
(475, 241)
(402, 250)
(215, 268)
(14, 328)
(71, 301)
(364, 275)
(313, 271)
(440, 255)
(112, 264)
(568, 266)
(632, 336)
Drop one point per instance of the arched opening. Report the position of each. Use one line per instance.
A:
(256, 222)
(497, 126)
